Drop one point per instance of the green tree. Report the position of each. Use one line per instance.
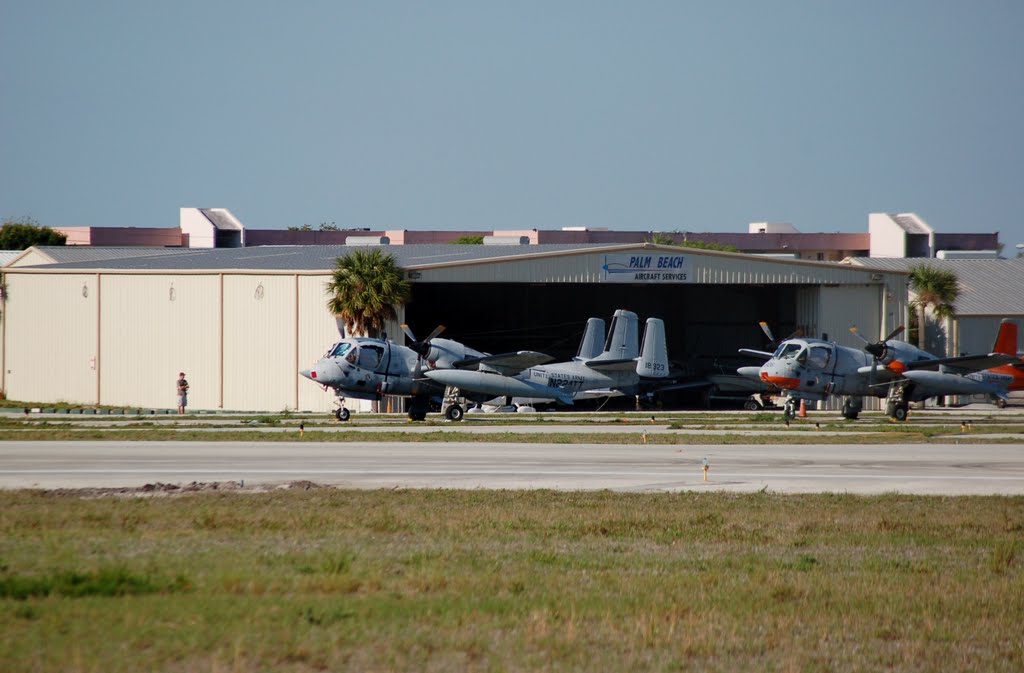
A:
(23, 234)
(934, 288)
(365, 288)
(661, 238)
(469, 240)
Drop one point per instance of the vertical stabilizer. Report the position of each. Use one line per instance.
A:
(593, 340)
(1006, 339)
(653, 360)
(623, 337)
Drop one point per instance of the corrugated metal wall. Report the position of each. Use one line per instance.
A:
(259, 342)
(587, 268)
(51, 342)
(154, 327)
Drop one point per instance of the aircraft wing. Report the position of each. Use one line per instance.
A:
(628, 365)
(764, 355)
(508, 364)
(966, 363)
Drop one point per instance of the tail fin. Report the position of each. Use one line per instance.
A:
(653, 360)
(1006, 339)
(593, 339)
(623, 342)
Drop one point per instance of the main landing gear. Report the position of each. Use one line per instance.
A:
(852, 406)
(897, 410)
(450, 405)
(896, 405)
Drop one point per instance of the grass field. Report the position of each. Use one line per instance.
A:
(324, 579)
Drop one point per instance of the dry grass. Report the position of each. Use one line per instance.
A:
(512, 581)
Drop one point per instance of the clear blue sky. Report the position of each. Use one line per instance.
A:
(481, 115)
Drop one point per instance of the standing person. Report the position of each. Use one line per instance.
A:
(182, 393)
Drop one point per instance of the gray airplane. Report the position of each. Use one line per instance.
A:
(813, 369)
(621, 368)
(369, 369)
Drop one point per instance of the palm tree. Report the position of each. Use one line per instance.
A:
(935, 288)
(365, 288)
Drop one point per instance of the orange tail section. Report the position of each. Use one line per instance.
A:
(1006, 339)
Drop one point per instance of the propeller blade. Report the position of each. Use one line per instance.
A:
(340, 322)
(421, 347)
(895, 332)
(437, 330)
(853, 330)
(767, 330)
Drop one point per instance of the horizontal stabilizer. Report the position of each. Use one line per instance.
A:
(612, 365)
(597, 394)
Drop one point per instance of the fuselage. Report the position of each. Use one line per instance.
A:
(365, 368)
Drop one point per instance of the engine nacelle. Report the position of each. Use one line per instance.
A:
(443, 353)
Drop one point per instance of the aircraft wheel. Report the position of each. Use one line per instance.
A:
(454, 413)
(900, 413)
(341, 414)
(890, 409)
(1001, 403)
(751, 405)
(789, 411)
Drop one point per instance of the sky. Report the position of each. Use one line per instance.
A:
(478, 115)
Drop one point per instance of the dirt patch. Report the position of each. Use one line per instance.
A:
(161, 489)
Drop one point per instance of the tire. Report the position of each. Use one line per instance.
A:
(789, 411)
(900, 413)
(1000, 403)
(341, 414)
(417, 414)
(751, 405)
(454, 413)
(890, 409)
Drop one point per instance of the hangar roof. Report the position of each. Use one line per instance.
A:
(283, 257)
(440, 263)
(987, 286)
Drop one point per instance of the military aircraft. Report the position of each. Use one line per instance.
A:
(996, 381)
(621, 368)
(813, 369)
(365, 368)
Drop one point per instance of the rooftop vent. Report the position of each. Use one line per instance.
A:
(367, 240)
(506, 240)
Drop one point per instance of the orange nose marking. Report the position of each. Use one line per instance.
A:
(784, 382)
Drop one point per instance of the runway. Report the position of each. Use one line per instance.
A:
(938, 469)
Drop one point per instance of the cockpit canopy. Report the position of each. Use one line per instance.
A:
(813, 355)
(366, 355)
(339, 349)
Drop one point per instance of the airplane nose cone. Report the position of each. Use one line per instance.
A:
(325, 372)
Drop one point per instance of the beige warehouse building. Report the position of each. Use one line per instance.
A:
(114, 326)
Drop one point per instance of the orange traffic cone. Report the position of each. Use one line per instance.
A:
(803, 409)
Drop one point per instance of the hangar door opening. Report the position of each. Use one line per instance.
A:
(705, 325)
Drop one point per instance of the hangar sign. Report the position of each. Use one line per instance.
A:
(647, 268)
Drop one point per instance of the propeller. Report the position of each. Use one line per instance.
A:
(340, 322)
(798, 332)
(879, 348)
(421, 347)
